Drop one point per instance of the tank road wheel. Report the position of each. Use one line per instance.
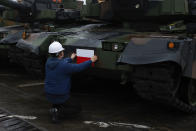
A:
(192, 95)
(187, 92)
(14, 55)
(33, 64)
(163, 82)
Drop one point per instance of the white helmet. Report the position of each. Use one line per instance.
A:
(55, 47)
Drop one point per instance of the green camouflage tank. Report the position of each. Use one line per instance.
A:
(148, 43)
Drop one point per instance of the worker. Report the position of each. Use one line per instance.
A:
(57, 80)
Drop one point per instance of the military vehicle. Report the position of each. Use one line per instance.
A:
(6, 26)
(150, 43)
(160, 49)
(38, 18)
(4, 22)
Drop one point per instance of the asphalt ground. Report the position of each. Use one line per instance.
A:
(107, 106)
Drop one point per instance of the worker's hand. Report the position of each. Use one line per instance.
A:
(73, 56)
(94, 58)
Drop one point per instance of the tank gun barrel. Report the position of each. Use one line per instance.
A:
(13, 4)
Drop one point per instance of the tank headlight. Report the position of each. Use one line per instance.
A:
(171, 27)
(137, 6)
(116, 47)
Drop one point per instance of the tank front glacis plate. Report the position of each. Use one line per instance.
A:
(11, 34)
(139, 48)
(84, 38)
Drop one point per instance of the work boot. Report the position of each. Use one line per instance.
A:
(55, 115)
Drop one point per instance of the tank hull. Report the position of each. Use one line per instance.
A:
(156, 71)
(159, 65)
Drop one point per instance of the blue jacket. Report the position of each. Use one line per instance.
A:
(58, 78)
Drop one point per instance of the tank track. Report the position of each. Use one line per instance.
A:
(32, 63)
(160, 83)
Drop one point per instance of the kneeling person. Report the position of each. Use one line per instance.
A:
(58, 78)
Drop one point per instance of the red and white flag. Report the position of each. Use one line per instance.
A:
(84, 55)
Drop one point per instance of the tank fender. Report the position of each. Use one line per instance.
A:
(28, 46)
(153, 50)
(36, 42)
(12, 38)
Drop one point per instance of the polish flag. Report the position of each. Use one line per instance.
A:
(84, 55)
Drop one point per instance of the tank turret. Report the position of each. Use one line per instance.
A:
(38, 10)
(148, 9)
(15, 5)
(152, 15)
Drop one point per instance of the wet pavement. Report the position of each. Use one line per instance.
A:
(106, 106)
